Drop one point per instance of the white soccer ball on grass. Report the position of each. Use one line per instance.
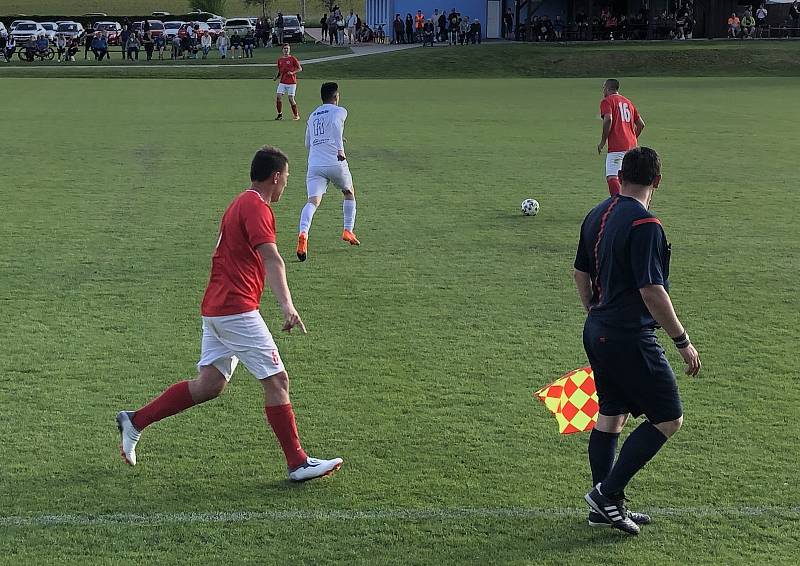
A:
(530, 207)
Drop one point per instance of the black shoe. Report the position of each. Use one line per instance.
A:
(596, 520)
(279, 117)
(612, 510)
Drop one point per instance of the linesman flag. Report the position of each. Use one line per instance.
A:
(572, 398)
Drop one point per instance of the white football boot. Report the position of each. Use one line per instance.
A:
(129, 436)
(314, 468)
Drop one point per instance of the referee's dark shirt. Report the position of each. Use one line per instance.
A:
(623, 248)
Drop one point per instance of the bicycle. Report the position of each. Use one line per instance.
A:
(380, 35)
(29, 55)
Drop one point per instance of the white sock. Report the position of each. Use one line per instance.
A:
(306, 216)
(349, 212)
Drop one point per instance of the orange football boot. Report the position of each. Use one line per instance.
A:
(350, 238)
(302, 246)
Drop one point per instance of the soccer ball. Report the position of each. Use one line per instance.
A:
(530, 207)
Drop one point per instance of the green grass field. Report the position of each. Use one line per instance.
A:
(494, 60)
(425, 343)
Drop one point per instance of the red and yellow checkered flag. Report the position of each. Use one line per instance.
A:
(572, 398)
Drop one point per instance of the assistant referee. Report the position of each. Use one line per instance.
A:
(621, 272)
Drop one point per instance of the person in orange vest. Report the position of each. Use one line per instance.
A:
(419, 24)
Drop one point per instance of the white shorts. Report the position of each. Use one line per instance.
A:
(614, 162)
(287, 89)
(319, 176)
(228, 339)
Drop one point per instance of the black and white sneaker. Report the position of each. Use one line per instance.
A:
(596, 520)
(612, 510)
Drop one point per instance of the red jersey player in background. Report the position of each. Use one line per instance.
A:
(233, 328)
(622, 127)
(288, 67)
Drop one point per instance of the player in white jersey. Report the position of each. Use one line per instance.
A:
(327, 163)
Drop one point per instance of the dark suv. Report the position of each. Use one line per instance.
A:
(293, 30)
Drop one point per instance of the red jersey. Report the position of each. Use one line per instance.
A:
(237, 270)
(623, 117)
(287, 65)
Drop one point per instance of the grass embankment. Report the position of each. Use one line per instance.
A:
(706, 58)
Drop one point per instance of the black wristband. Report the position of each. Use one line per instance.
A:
(682, 341)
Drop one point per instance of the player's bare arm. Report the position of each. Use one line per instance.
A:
(607, 122)
(583, 282)
(659, 304)
(639, 126)
(276, 277)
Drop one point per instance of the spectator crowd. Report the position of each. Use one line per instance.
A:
(348, 29)
(451, 28)
(138, 40)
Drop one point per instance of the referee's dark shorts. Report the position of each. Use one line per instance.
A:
(631, 373)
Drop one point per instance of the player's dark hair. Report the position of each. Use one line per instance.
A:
(266, 161)
(640, 166)
(328, 91)
(612, 84)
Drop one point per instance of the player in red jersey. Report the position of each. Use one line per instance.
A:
(233, 328)
(622, 127)
(288, 67)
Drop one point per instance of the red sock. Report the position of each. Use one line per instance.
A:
(613, 185)
(174, 400)
(294, 109)
(281, 419)
(279, 105)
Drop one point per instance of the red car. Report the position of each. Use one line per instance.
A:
(111, 29)
(156, 28)
(201, 27)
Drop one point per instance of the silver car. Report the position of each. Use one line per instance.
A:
(171, 29)
(241, 26)
(71, 29)
(50, 29)
(26, 30)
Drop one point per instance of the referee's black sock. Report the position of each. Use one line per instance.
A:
(642, 444)
(602, 449)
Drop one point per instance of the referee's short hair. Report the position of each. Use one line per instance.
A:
(266, 161)
(328, 92)
(640, 166)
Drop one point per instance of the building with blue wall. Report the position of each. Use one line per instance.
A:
(488, 12)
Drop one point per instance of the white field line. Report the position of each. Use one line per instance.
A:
(221, 65)
(442, 514)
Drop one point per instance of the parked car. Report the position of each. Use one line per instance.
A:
(215, 28)
(50, 29)
(111, 29)
(293, 29)
(171, 29)
(15, 23)
(156, 28)
(202, 16)
(71, 29)
(26, 30)
(201, 27)
(242, 26)
(3, 30)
